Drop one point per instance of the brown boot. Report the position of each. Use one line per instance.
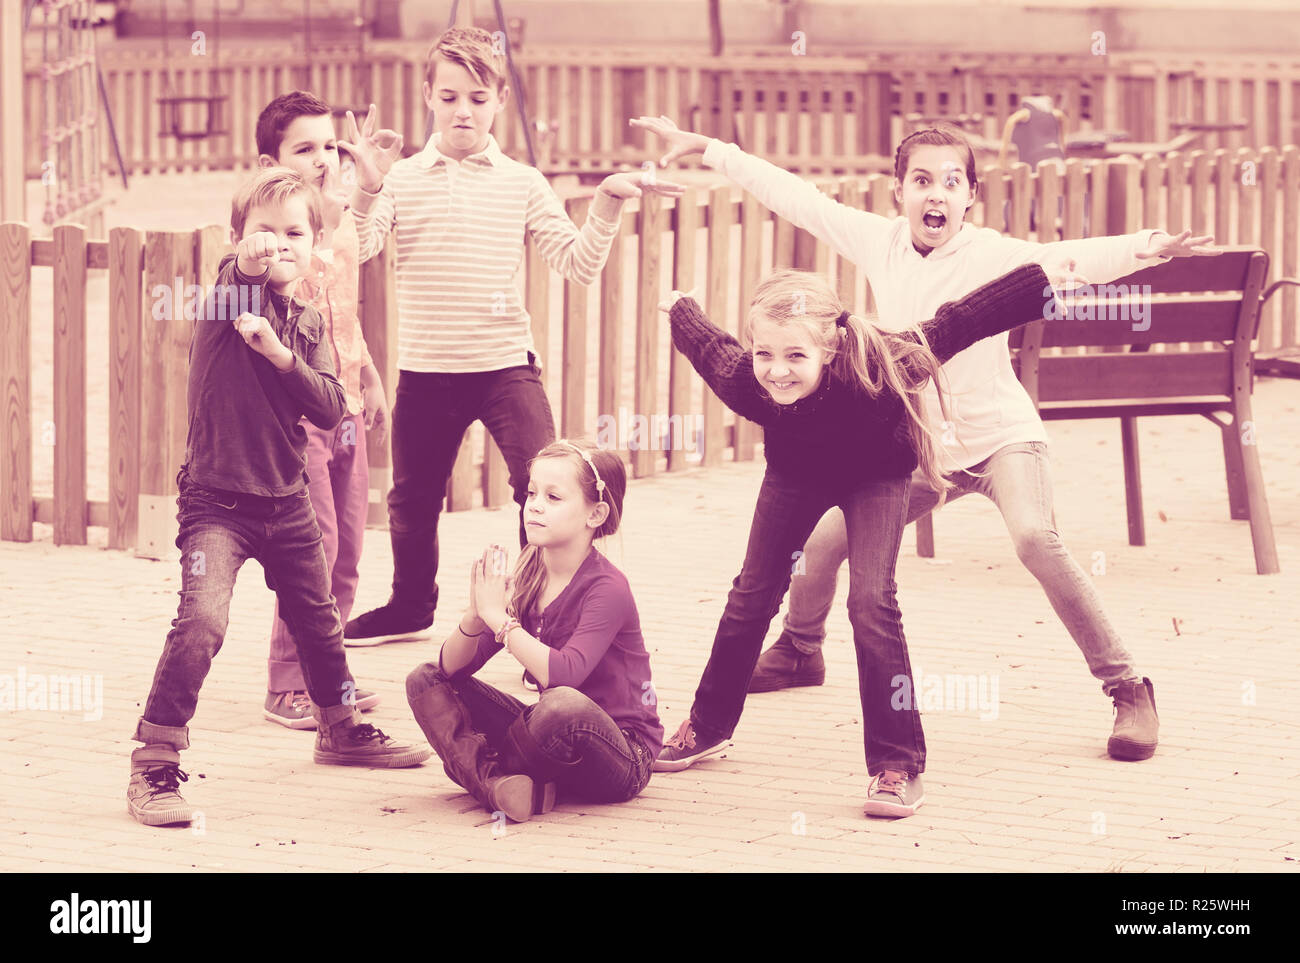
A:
(342, 739)
(1136, 723)
(466, 756)
(785, 667)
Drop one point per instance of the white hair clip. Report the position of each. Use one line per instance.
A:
(586, 456)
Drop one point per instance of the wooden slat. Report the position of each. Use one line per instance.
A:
(377, 306)
(125, 314)
(1290, 229)
(1226, 183)
(1200, 193)
(69, 384)
(680, 373)
(880, 200)
(650, 228)
(1020, 196)
(461, 484)
(752, 218)
(995, 198)
(1127, 320)
(168, 255)
(1152, 187)
(1048, 195)
(1269, 168)
(1097, 376)
(15, 367)
(852, 194)
(1176, 192)
(719, 274)
(43, 253)
(609, 370)
(538, 302)
(1224, 272)
(573, 404)
(496, 476)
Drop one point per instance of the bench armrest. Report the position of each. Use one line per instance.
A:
(1268, 292)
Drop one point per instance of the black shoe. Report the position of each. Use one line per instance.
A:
(785, 667)
(388, 623)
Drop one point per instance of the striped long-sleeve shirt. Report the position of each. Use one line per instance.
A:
(460, 252)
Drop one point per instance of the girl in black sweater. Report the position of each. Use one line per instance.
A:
(839, 400)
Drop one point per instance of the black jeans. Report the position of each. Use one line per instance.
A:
(430, 417)
(585, 753)
(219, 531)
(784, 516)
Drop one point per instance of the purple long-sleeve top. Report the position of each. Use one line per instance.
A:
(594, 633)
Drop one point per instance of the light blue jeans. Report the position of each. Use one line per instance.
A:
(1016, 479)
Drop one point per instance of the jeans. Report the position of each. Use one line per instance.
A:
(430, 417)
(219, 531)
(586, 754)
(1016, 479)
(783, 518)
(339, 488)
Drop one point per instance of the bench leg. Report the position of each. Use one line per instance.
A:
(1261, 523)
(1238, 505)
(925, 535)
(1137, 534)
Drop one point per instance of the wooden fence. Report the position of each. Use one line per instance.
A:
(827, 114)
(607, 348)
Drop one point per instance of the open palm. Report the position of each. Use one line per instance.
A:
(1183, 245)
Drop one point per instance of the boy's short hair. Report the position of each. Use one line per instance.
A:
(274, 185)
(474, 49)
(276, 117)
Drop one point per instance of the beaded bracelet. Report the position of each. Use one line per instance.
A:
(511, 625)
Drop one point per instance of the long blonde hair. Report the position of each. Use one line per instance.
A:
(859, 353)
(530, 571)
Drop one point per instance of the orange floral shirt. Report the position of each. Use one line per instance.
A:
(332, 289)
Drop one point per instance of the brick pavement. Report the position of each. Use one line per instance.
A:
(1024, 785)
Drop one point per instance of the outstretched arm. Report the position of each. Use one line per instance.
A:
(724, 364)
(852, 233)
(1008, 302)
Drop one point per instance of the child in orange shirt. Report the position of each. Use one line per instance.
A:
(296, 130)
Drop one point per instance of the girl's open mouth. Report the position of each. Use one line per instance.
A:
(934, 223)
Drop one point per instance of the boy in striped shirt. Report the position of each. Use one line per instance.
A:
(461, 209)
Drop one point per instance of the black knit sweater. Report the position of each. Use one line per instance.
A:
(839, 434)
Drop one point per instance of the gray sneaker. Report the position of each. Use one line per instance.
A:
(293, 709)
(685, 748)
(153, 795)
(893, 794)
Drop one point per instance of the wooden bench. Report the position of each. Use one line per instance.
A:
(1212, 302)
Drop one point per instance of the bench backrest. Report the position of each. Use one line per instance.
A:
(1192, 299)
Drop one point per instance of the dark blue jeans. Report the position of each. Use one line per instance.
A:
(786, 513)
(586, 754)
(219, 531)
(430, 417)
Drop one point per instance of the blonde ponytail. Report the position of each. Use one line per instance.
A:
(876, 360)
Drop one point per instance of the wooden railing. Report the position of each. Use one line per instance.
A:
(605, 349)
(832, 114)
